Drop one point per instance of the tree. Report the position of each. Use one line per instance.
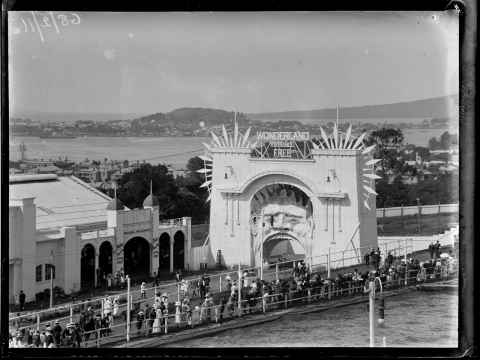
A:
(388, 142)
(178, 197)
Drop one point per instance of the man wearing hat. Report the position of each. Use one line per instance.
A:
(140, 318)
(57, 333)
(67, 335)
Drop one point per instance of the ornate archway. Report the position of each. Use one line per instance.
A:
(178, 250)
(87, 267)
(136, 254)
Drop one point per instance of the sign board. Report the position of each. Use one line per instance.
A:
(283, 145)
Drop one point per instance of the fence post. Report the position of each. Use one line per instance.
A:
(71, 314)
(129, 304)
(38, 322)
(166, 324)
(285, 300)
(276, 271)
(220, 283)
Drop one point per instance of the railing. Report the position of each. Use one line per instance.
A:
(322, 291)
(338, 260)
(414, 210)
(172, 222)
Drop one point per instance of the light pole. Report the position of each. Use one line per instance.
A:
(261, 246)
(418, 215)
(52, 259)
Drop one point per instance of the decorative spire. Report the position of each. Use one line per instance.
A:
(337, 115)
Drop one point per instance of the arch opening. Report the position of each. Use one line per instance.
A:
(178, 250)
(164, 253)
(105, 259)
(286, 213)
(137, 258)
(87, 267)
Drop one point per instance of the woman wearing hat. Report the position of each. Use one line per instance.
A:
(187, 310)
(143, 290)
(49, 340)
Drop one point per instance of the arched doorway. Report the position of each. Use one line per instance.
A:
(105, 259)
(178, 250)
(288, 223)
(87, 267)
(282, 247)
(164, 253)
(136, 254)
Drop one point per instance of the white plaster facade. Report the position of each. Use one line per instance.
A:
(341, 220)
(32, 245)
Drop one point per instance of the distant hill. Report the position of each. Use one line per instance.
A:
(439, 107)
(186, 119)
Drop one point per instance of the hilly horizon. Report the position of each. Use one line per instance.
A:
(438, 107)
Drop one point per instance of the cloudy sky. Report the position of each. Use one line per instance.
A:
(156, 62)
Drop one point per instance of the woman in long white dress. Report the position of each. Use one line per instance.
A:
(157, 326)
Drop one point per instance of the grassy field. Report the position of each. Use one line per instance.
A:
(413, 225)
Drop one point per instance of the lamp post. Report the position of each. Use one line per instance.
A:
(418, 215)
(52, 259)
(261, 246)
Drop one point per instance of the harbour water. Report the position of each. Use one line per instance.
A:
(168, 150)
(415, 319)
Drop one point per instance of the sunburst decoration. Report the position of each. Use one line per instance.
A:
(237, 140)
(338, 141)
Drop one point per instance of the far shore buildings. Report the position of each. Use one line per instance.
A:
(62, 226)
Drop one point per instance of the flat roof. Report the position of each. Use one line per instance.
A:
(61, 200)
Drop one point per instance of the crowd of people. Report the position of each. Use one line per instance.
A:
(196, 304)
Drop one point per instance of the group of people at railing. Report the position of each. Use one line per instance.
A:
(196, 303)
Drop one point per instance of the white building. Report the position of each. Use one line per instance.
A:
(85, 234)
(313, 198)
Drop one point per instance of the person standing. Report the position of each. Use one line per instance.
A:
(367, 257)
(21, 298)
(437, 250)
(143, 290)
(140, 318)
(57, 333)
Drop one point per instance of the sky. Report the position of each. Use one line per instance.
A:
(248, 62)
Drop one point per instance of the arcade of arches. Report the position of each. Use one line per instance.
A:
(137, 258)
(172, 253)
(288, 222)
